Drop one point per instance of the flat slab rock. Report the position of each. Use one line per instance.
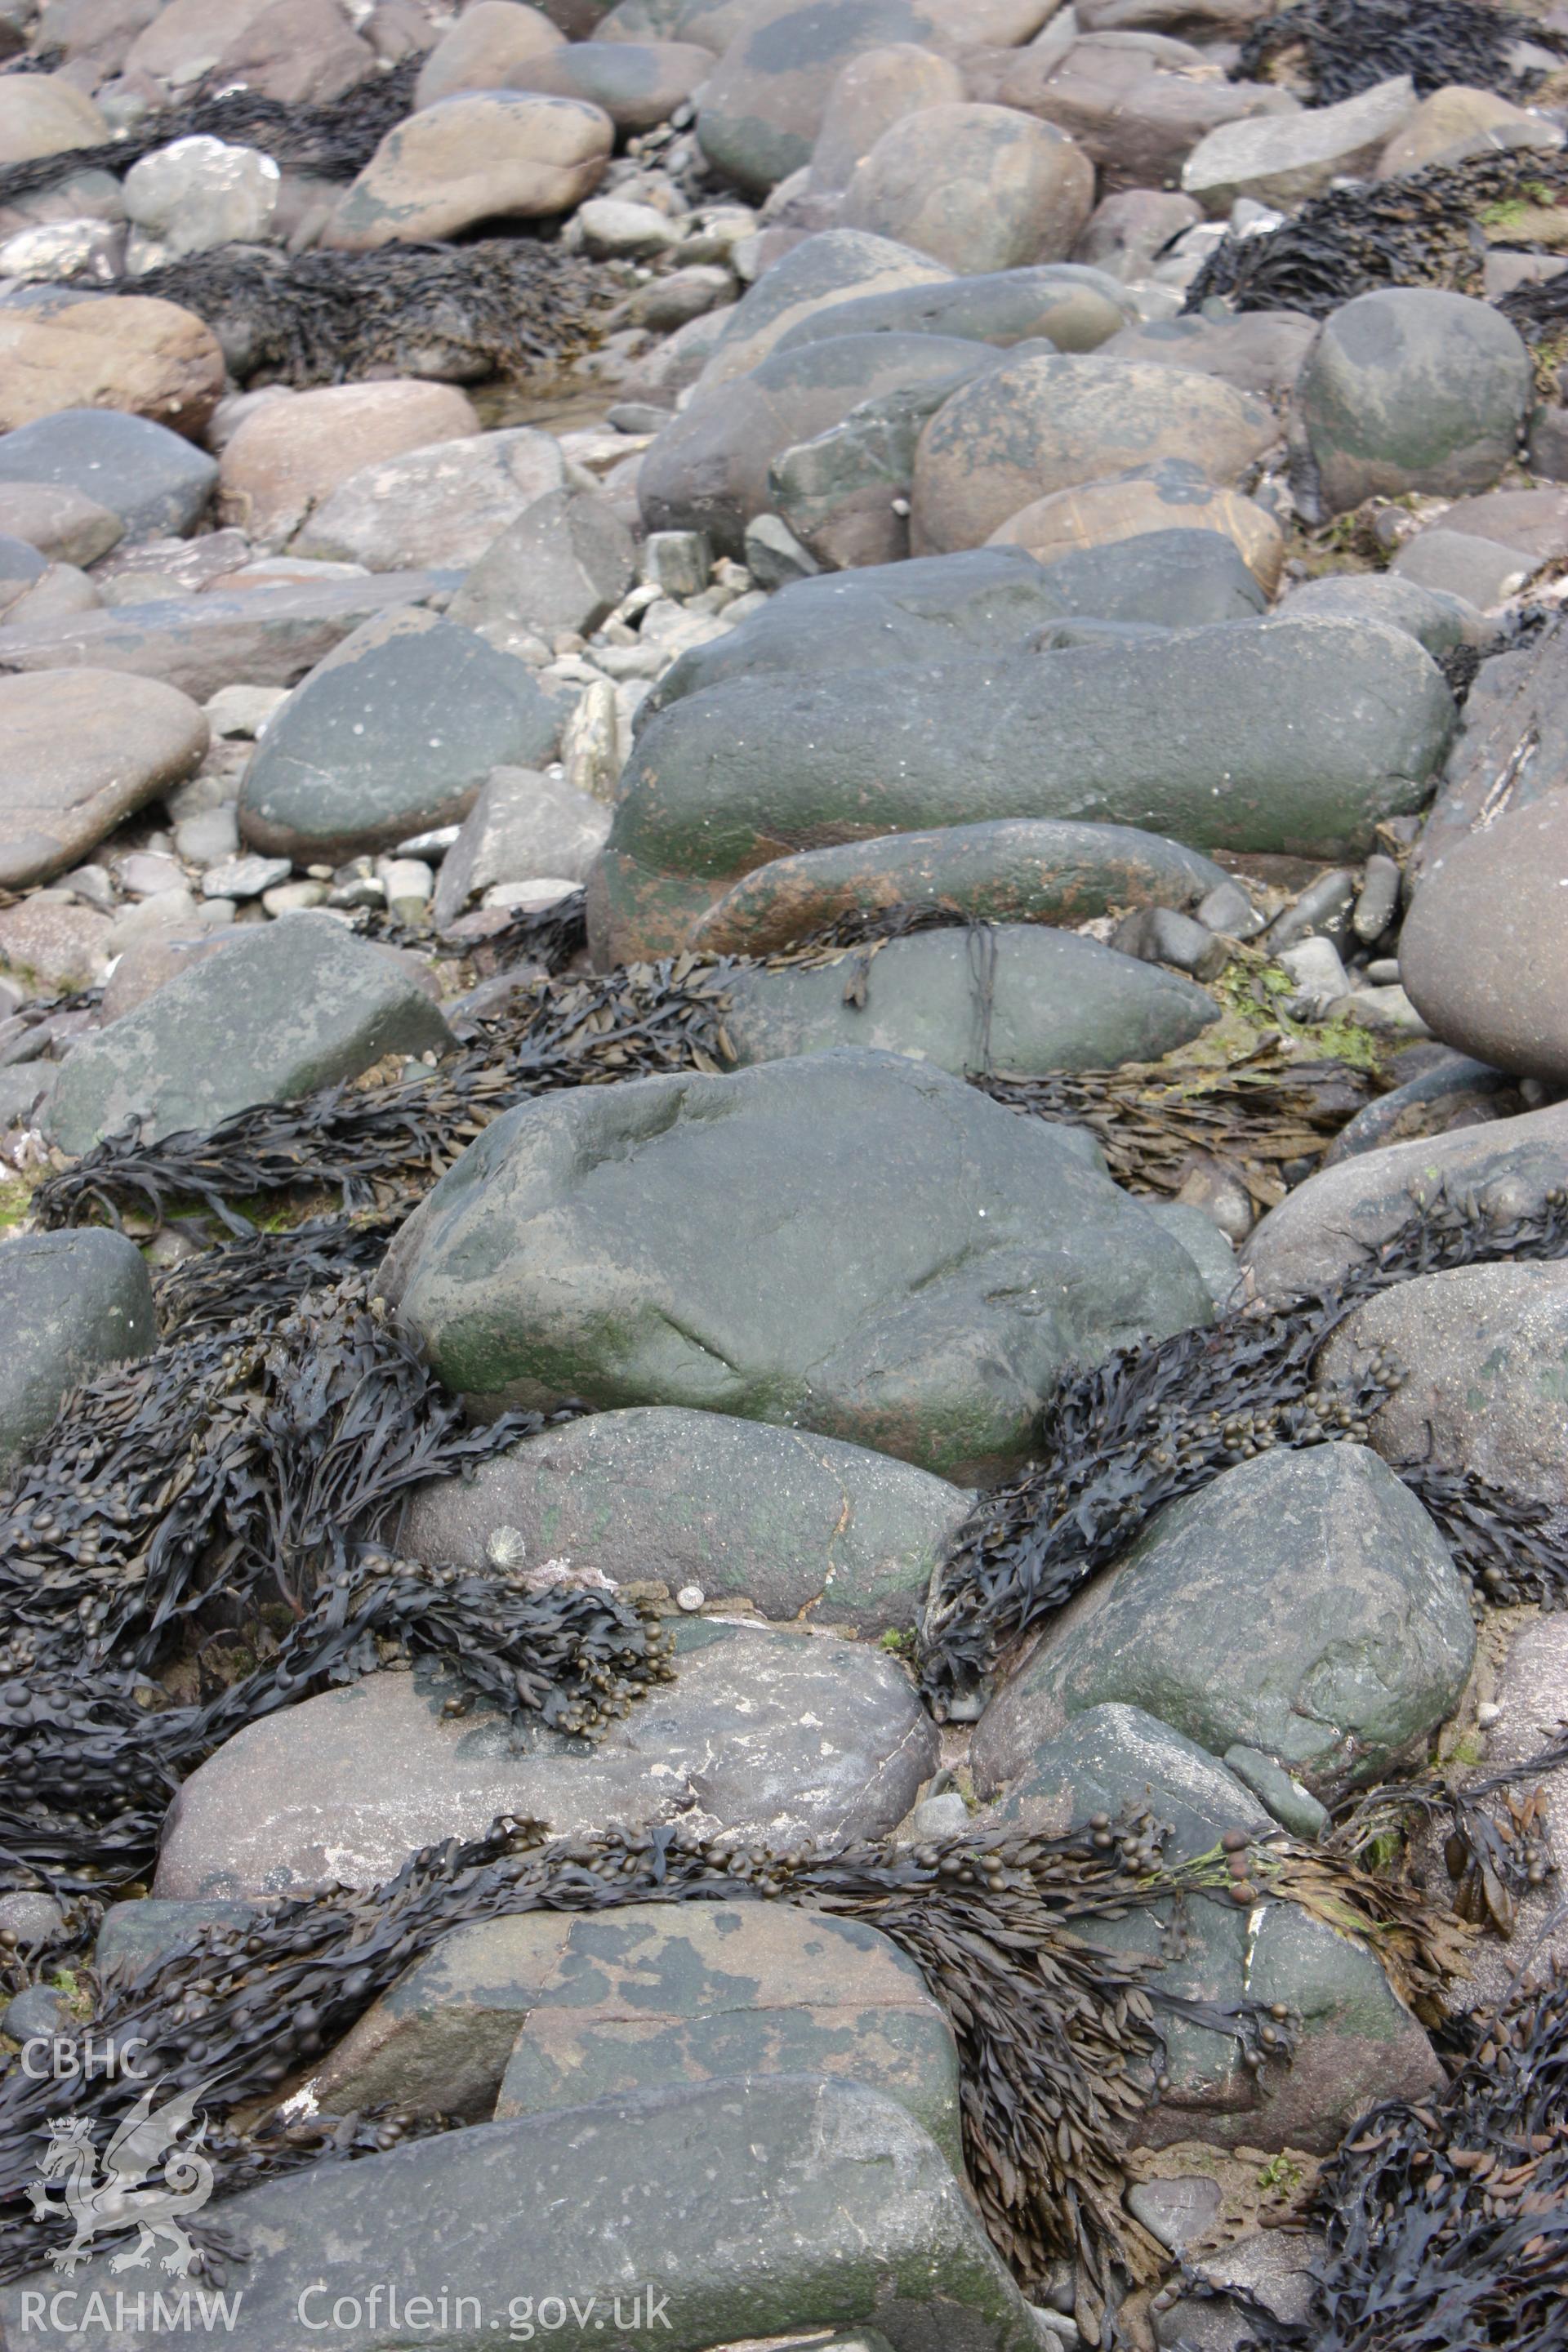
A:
(283, 1007)
(790, 1521)
(520, 2016)
(70, 1304)
(765, 2202)
(1302, 1605)
(76, 755)
(938, 1262)
(771, 1734)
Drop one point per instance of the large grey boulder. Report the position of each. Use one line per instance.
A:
(1482, 954)
(1340, 1217)
(761, 110)
(1483, 1349)
(281, 1008)
(1018, 998)
(1028, 870)
(153, 480)
(939, 1261)
(707, 469)
(765, 2202)
(1511, 749)
(1319, 729)
(1436, 621)
(763, 1733)
(393, 732)
(70, 1304)
(1034, 425)
(1285, 159)
(1407, 388)
(781, 1518)
(1301, 1605)
(523, 2016)
(563, 565)
(820, 272)
(1056, 302)
(1357, 2044)
(443, 505)
(980, 187)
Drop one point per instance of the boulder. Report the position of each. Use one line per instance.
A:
(1025, 870)
(1482, 953)
(982, 188)
(763, 107)
(519, 2016)
(1030, 426)
(1532, 522)
(289, 454)
(78, 754)
(1285, 160)
(202, 643)
(835, 267)
(1302, 1605)
(1322, 729)
(184, 41)
(49, 940)
(1455, 124)
(298, 52)
(1255, 350)
(523, 826)
(72, 1304)
(149, 480)
(45, 114)
(563, 565)
(872, 92)
(65, 525)
(1511, 749)
(623, 2189)
(1337, 1219)
(708, 470)
(393, 733)
(127, 352)
(639, 84)
(1483, 1349)
(792, 1522)
(443, 505)
(199, 193)
(1125, 232)
(1461, 563)
(891, 1309)
(488, 40)
(484, 156)
(285, 1008)
(1136, 103)
(1407, 388)
(763, 1733)
(1018, 998)
(1439, 623)
(1170, 501)
(1058, 302)
(1358, 2045)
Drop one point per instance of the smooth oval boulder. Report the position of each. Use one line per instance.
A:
(1407, 388)
(1035, 426)
(71, 1304)
(980, 187)
(1170, 498)
(45, 114)
(396, 731)
(941, 1261)
(488, 40)
(128, 352)
(153, 481)
(708, 470)
(281, 1009)
(80, 752)
(1015, 998)
(1036, 870)
(868, 95)
(764, 1732)
(1436, 621)
(485, 155)
(1484, 1349)
(818, 274)
(1170, 578)
(763, 107)
(1302, 1605)
(1483, 954)
(1339, 1218)
(1057, 302)
(288, 455)
(1293, 736)
(792, 1522)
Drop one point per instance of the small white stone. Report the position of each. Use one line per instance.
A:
(1488, 1713)
(691, 1598)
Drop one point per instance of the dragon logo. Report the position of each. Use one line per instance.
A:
(113, 2197)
